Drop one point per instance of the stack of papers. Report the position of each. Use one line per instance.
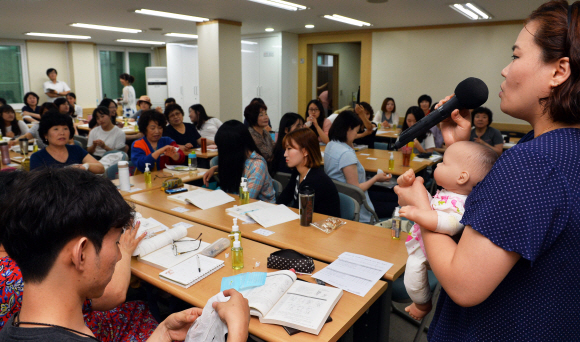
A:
(354, 273)
(202, 199)
(265, 214)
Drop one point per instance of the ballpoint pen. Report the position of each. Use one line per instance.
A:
(198, 266)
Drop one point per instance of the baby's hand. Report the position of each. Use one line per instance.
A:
(409, 212)
(407, 178)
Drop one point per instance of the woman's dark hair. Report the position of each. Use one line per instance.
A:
(424, 97)
(148, 116)
(100, 110)
(257, 99)
(61, 101)
(558, 36)
(40, 221)
(71, 108)
(418, 114)
(49, 70)
(252, 112)
(46, 107)
(482, 110)
(127, 77)
(321, 116)
(170, 100)
(106, 103)
(13, 123)
(368, 108)
(27, 95)
(234, 144)
(201, 115)
(54, 118)
(342, 124)
(73, 95)
(3, 101)
(171, 108)
(288, 120)
(385, 102)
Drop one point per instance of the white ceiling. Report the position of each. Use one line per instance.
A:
(53, 16)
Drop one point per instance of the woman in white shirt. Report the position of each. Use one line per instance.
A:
(129, 99)
(106, 136)
(74, 108)
(11, 127)
(387, 116)
(206, 126)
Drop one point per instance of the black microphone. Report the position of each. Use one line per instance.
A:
(469, 94)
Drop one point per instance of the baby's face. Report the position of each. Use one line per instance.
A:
(454, 163)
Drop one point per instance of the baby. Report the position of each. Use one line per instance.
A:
(464, 165)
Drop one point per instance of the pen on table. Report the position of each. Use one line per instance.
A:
(198, 267)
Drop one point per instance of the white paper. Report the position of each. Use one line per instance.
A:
(435, 158)
(417, 159)
(209, 327)
(150, 245)
(369, 158)
(151, 226)
(165, 258)
(264, 232)
(354, 273)
(182, 224)
(364, 154)
(262, 298)
(135, 189)
(274, 216)
(203, 199)
(180, 209)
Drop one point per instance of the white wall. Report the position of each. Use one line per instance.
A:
(407, 64)
(348, 69)
(83, 73)
(289, 89)
(42, 56)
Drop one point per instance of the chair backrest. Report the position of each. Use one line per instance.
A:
(283, 178)
(213, 162)
(78, 143)
(349, 208)
(381, 146)
(278, 187)
(124, 158)
(82, 140)
(358, 195)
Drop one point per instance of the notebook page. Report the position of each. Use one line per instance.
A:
(186, 273)
(305, 305)
(151, 226)
(150, 245)
(165, 258)
(273, 216)
(264, 297)
(354, 273)
(208, 199)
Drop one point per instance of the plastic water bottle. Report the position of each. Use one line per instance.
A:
(192, 161)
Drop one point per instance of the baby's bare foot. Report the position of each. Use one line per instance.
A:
(418, 311)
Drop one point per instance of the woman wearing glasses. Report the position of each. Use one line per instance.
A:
(317, 121)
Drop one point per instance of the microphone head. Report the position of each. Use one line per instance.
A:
(471, 93)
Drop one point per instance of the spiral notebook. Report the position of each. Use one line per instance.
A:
(186, 273)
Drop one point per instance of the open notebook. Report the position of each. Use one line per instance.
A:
(203, 199)
(186, 273)
(157, 251)
(265, 214)
(296, 304)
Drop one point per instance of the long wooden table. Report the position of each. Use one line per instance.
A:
(389, 133)
(354, 237)
(157, 179)
(348, 309)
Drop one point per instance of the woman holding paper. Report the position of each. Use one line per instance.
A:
(302, 153)
(238, 157)
(518, 253)
(154, 148)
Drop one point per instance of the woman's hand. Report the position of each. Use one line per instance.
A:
(457, 127)
(9, 134)
(208, 174)
(386, 124)
(188, 146)
(415, 195)
(313, 121)
(382, 177)
(129, 240)
(171, 152)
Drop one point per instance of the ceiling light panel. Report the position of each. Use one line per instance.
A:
(171, 15)
(106, 28)
(56, 35)
(247, 42)
(182, 35)
(471, 11)
(148, 42)
(347, 20)
(290, 6)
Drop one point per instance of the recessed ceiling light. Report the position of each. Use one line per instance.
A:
(290, 6)
(347, 20)
(269, 29)
(309, 26)
(247, 42)
(170, 15)
(106, 28)
(471, 11)
(148, 42)
(182, 35)
(247, 51)
(55, 35)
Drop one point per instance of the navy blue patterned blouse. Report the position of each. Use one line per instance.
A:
(530, 204)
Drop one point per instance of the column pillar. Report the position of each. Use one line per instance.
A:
(220, 68)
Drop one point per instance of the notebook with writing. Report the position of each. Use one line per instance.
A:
(186, 273)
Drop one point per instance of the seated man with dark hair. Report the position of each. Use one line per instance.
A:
(67, 254)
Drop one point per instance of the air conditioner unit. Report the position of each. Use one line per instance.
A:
(156, 85)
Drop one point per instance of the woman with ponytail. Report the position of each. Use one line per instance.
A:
(514, 274)
(129, 100)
